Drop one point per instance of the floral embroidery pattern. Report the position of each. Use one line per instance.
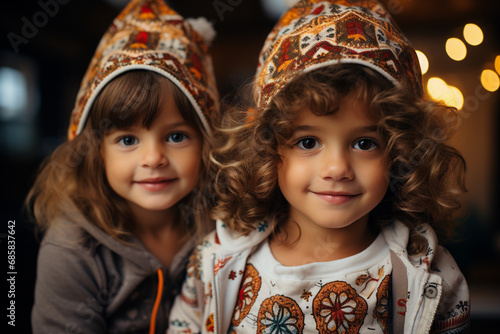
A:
(209, 324)
(220, 264)
(456, 319)
(381, 312)
(370, 282)
(306, 295)
(463, 306)
(262, 227)
(250, 287)
(208, 294)
(194, 265)
(337, 308)
(184, 325)
(279, 314)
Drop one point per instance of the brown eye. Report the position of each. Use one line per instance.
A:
(365, 144)
(308, 143)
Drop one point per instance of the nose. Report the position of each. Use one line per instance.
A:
(153, 156)
(336, 165)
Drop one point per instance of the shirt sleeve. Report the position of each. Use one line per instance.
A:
(69, 292)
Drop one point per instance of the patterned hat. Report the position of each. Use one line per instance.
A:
(317, 33)
(149, 35)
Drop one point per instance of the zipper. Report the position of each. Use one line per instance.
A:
(159, 294)
(214, 294)
(428, 325)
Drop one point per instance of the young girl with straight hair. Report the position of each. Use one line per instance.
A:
(120, 201)
(335, 188)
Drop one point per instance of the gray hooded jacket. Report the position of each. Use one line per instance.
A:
(88, 282)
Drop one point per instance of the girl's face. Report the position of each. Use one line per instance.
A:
(153, 169)
(333, 172)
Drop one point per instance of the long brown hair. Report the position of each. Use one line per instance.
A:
(75, 173)
(425, 175)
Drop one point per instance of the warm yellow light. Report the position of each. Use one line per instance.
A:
(449, 95)
(497, 64)
(456, 49)
(455, 98)
(424, 62)
(436, 88)
(490, 80)
(473, 34)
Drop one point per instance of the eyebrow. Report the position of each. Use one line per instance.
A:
(173, 125)
(368, 128)
(182, 123)
(167, 126)
(304, 128)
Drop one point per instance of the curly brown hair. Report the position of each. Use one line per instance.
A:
(425, 174)
(75, 172)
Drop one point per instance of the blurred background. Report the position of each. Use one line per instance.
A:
(45, 50)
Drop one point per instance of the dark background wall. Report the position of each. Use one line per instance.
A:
(55, 55)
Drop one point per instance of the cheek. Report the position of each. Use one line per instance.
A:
(376, 178)
(191, 166)
(382, 185)
(112, 164)
(117, 169)
(108, 167)
(290, 175)
(196, 172)
(114, 175)
(281, 177)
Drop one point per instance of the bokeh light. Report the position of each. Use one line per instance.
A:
(439, 90)
(436, 87)
(455, 98)
(490, 80)
(424, 62)
(456, 49)
(473, 34)
(497, 64)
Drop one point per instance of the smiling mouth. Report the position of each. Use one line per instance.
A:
(155, 184)
(335, 198)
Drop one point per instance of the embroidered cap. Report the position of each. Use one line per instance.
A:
(149, 35)
(317, 33)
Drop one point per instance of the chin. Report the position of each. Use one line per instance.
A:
(155, 208)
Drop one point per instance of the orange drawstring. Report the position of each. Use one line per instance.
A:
(157, 302)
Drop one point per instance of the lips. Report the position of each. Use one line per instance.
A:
(336, 197)
(155, 184)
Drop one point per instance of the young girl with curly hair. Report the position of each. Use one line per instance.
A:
(119, 202)
(334, 189)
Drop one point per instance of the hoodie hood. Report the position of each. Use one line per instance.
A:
(149, 35)
(317, 33)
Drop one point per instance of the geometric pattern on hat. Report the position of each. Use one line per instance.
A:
(317, 33)
(149, 35)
